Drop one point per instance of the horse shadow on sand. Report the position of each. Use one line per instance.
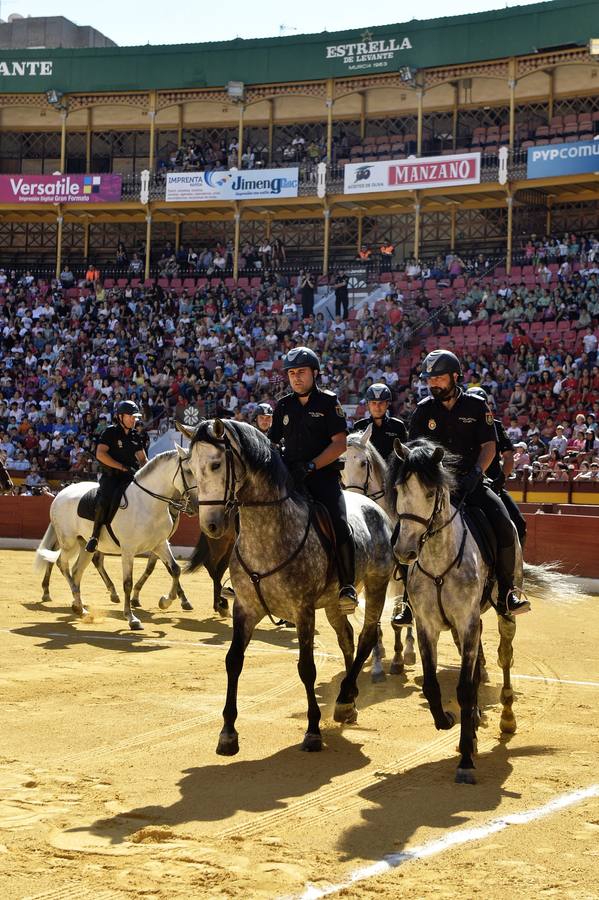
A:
(215, 793)
(66, 630)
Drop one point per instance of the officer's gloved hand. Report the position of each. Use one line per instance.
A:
(300, 471)
(129, 473)
(499, 483)
(470, 481)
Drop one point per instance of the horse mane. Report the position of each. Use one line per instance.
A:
(259, 455)
(378, 463)
(151, 464)
(420, 462)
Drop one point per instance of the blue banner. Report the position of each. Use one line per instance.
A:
(563, 159)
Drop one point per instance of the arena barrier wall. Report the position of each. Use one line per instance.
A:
(570, 538)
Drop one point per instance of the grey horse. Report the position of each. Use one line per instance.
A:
(448, 582)
(280, 566)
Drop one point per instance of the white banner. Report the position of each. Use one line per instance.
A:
(235, 184)
(410, 174)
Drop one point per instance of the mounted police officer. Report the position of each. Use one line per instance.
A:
(263, 417)
(120, 452)
(463, 425)
(384, 427)
(502, 467)
(311, 426)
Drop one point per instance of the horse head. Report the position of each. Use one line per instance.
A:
(185, 482)
(421, 486)
(215, 460)
(357, 472)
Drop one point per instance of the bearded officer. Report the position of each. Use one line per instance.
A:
(502, 467)
(385, 428)
(120, 452)
(311, 426)
(463, 425)
(263, 417)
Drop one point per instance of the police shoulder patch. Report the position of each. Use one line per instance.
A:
(339, 411)
(489, 418)
(431, 424)
(285, 420)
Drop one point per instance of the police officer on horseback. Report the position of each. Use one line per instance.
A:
(501, 468)
(463, 425)
(385, 428)
(263, 417)
(310, 424)
(120, 452)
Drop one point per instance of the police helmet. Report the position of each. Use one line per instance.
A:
(441, 362)
(264, 409)
(301, 357)
(478, 392)
(378, 392)
(128, 408)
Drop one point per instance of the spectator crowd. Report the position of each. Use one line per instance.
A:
(70, 350)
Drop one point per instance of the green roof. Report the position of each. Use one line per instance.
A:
(515, 31)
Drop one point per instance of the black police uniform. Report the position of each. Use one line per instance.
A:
(305, 430)
(495, 473)
(122, 447)
(383, 435)
(461, 430)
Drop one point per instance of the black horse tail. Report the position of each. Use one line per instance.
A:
(200, 556)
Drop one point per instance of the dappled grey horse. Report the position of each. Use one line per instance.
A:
(365, 471)
(279, 566)
(448, 581)
(143, 525)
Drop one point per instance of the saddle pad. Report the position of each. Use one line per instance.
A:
(483, 534)
(326, 534)
(87, 505)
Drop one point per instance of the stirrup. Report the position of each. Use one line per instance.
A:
(348, 600)
(92, 544)
(513, 605)
(402, 615)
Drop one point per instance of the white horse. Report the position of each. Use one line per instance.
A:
(365, 472)
(143, 524)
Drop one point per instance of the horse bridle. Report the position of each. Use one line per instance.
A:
(363, 488)
(180, 506)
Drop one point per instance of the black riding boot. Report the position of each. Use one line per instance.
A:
(402, 611)
(99, 519)
(508, 602)
(346, 567)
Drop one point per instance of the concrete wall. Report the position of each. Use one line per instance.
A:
(51, 32)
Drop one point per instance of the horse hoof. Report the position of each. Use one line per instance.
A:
(164, 603)
(228, 745)
(312, 743)
(507, 726)
(409, 658)
(465, 776)
(135, 602)
(46, 598)
(346, 713)
(186, 605)
(450, 719)
(116, 599)
(377, 677)
(135, 625)
(78, 610)
(396, 668)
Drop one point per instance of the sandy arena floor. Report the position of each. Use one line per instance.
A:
(110, 786)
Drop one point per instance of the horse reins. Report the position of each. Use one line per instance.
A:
(180, 506)
(376, 495)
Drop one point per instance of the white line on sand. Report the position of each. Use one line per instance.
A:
(450, 840)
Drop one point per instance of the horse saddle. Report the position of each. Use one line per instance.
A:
(483, 534)
(86, 508)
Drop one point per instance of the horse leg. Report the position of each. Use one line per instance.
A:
(150, 566)
(98, 561)
(164, 552)
(377, 673)
(397, 663)
(345, 706)
(74, 579)
(505, 657)
(482, 662)
(307, 672)
(410, 653)
(244, 623)
(127, 564)
(468, 699)
(46, 583)
(344, 632)
(216, 572)
(427, 644)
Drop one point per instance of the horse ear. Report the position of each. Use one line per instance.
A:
(186, 432)
(400, 449)
(438, 454)
(183, 453)
(218, 429)
(366, 435)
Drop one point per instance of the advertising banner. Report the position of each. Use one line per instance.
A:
(236, 184)
(562, 159)
(60, 188)
(411, 174)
